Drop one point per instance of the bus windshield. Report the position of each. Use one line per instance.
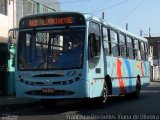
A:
(51, 48)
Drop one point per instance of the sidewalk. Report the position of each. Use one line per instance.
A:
(9, 103)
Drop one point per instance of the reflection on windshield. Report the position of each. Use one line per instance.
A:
(51, 49)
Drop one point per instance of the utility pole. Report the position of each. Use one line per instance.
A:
(149, 32)
(126, 26)
(13, 14)
(11, 50)
(158, 52)
(103, 15)
(13, 11)
(141, 32)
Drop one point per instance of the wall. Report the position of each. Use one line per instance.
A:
(54, 4)
(6, 22)
(3, 26)
(154, 46)
(51, 3)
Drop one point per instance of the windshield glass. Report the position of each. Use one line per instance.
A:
(50, 48)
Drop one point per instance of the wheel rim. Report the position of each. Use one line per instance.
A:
(105, 93)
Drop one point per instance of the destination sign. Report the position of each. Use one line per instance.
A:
(51, 20)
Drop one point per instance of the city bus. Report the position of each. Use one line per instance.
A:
(70, 55)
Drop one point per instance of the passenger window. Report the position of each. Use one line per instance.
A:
(106, 42)
(142, 46)
(146, 51)
(137, 50)
(122, 43)
(114, 43)
(130, 47)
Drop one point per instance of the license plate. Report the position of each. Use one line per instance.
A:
(48, 90)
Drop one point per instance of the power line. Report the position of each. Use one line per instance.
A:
(100, 5)
(131, 11)
(156, 34)
(117, 4)
(82, 5)
(114, 5)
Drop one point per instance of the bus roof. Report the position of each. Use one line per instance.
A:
(92, 17)
(50, 14)
(104, 22)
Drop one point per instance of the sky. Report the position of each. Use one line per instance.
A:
(139, 14)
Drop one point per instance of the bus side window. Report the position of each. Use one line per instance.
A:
(122, 43)
(114, 43)
(137, 52)
(130, 47)
(146, 51)
(106, 42)
(94, 42)
(135, 49)
(142, 46)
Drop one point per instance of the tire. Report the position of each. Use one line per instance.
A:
(102, 101)
(136, 94)
(48, 103)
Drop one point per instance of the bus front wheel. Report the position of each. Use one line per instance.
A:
(102, 101)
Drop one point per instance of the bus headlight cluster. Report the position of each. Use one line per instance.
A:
(66, 82)
(29, 82)
(70, 81)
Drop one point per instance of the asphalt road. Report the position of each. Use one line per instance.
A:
(118, 107)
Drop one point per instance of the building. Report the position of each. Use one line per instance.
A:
(5, 20)
(11, 11)
(28, 7)
(154, 56)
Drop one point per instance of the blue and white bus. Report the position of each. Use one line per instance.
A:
(71, 55)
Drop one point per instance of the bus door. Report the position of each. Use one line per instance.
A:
(96, 60)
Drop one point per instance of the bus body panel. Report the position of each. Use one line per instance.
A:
(124, 72)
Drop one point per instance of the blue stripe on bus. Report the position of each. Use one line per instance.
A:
(129, 73)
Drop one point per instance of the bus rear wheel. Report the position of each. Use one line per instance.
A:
(136, 94)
